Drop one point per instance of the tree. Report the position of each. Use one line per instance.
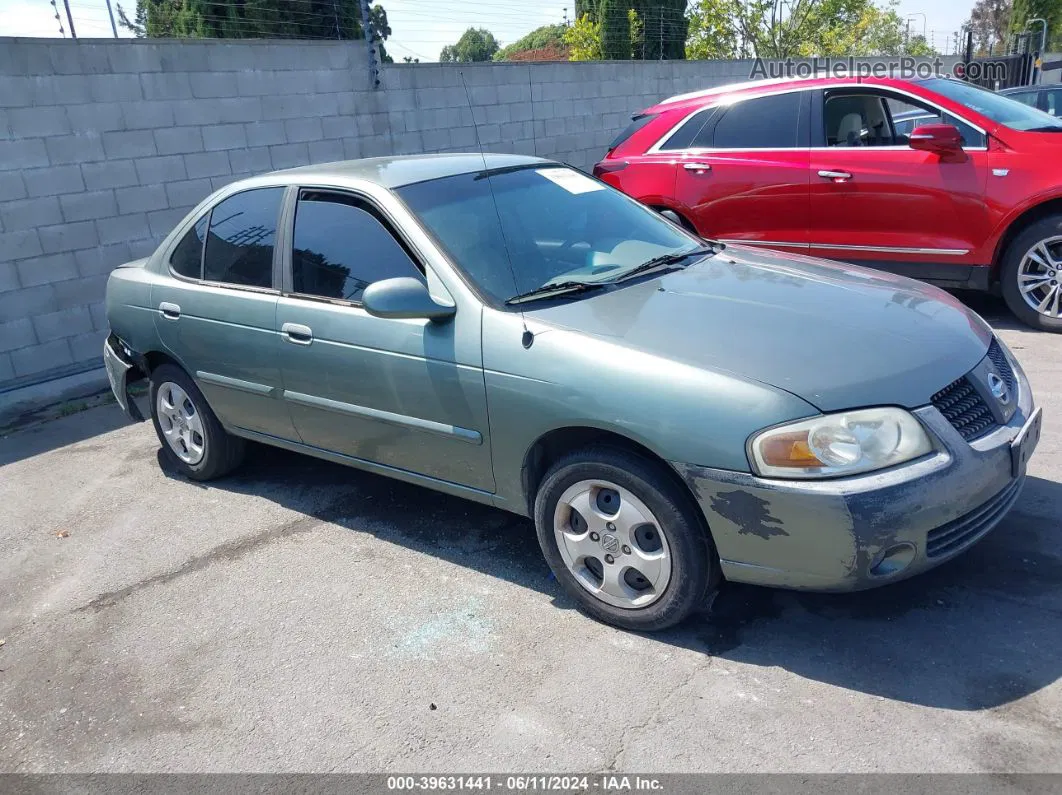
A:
(1024, 10)
(794, 28)
(711, 33)
(545, 38)
(586, 8)
(918, 47)
(615, 30)
(665, 29)
(223, 19)
(989, 21)
(584, 39)
(475, 44)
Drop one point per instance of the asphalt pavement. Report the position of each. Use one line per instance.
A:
(301, 616)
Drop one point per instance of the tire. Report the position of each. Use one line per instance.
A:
(638, 486)
(208, 450)
(675, 218)
(1049, 232)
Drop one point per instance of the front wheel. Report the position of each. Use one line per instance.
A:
(623, 540)
(193, 440)
(1031, 275)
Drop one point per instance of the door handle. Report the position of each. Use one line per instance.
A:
(169, 311)
(697, 166)
(297, 333)
(836, 176)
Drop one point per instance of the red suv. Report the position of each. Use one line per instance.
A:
(935, 179)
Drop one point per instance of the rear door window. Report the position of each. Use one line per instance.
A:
(762, 123)
(239, 245)
(1029, 98)
(1054, 101)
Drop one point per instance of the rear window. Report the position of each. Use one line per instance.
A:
(637, 122)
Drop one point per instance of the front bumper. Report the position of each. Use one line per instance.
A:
(855, 533)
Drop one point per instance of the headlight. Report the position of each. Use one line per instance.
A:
(836, 445)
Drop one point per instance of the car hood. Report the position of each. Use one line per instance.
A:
(838, 336)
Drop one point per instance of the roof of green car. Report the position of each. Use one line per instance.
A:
(394, 172)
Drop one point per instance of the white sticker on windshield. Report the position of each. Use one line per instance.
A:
(571, 181)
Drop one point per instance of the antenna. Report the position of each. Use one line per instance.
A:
(528, 337)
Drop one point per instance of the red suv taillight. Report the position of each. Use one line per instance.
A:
(608, 167)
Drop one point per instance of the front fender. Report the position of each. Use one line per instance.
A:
(566, 379)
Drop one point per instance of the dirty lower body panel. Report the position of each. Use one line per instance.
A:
(860, 532)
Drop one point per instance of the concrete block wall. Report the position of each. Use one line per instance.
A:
(105, 145)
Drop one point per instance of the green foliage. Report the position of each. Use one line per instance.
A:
(538, 39)
(989, 21)
(586, 8)
(254, 19)
(615, 30)
(475, 44)
(796, 29)
(584, 39)
(712, 33)
(1024, 10)
(665, 29)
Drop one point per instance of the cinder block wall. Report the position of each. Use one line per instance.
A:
(105, 144)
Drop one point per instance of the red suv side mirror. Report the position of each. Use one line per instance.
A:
(941, 139)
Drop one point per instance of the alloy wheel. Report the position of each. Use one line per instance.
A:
(612, 544)
(1040, 277)
(181, 423)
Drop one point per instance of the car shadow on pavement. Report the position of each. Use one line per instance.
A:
(978, 633)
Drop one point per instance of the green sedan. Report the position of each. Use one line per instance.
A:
(670, 411)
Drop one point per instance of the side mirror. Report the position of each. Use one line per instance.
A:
(403, 297)
(940, 139)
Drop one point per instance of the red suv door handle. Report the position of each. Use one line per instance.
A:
(835, 176)
(698, 167)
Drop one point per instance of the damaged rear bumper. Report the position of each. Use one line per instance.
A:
(122, 371)
(856, 533)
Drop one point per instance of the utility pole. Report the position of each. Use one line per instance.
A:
(110, 13)
(70, 19)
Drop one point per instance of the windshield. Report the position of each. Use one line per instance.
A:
(997, 107)
(558, 224)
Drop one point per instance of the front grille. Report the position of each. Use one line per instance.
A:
(964, 408)
(960, 533)
(1006, 372)
(962, 404)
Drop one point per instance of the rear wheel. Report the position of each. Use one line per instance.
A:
(1031, 275)
(193, 440)
(623, 540)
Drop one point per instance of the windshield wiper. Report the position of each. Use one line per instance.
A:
(554, 290)
(1047, 128)
(668, 260)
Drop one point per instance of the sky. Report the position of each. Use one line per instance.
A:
(420, 28)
